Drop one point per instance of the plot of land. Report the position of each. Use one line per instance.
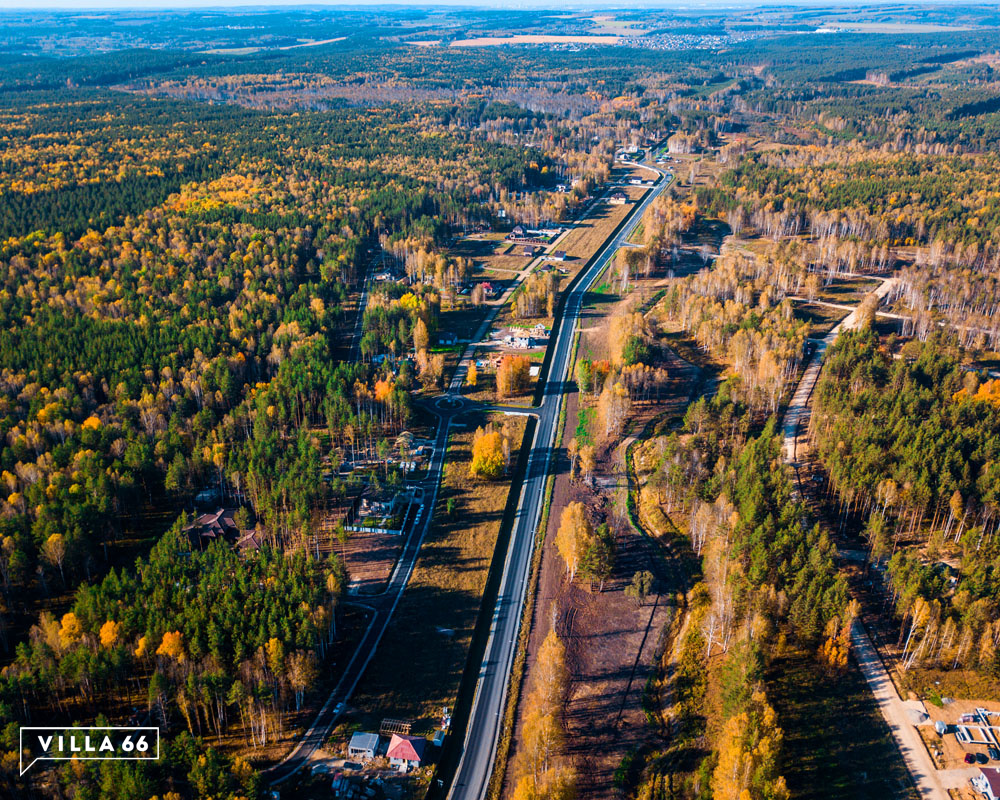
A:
(417, 667)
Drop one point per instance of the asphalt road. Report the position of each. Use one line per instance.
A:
(476, 765)
(492, 688)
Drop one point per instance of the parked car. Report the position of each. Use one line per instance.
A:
(970, 758)
(982, 758)
(993, 753)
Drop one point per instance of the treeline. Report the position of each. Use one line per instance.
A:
(766, 577)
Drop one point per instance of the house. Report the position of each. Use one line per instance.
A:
(635, 181)
(558, 255)
(618, 198)
(518, 232)
(447, 337)
(365, 746)
(218, 524)
(489, 289)
(379, 504)
(530, 250)
(406, 752)
(987, 782)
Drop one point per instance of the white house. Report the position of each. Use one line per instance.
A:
(364, 745)
(987, 783)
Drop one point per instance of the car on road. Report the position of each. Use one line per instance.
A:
(339, 709)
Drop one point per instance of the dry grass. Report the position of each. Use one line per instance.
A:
(419, 664)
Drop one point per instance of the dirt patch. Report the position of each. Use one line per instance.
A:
(611, 641)
(370, 558)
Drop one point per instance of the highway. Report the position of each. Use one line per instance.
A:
(479, 750)
(483, 729)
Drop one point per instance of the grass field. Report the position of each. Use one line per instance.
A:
(821, 319)
(418, 666)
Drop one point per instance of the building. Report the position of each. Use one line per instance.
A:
(379, 504)
(558, 255)
(218, 524)
(365, 746)
(447, 337)
(406, 752)
(987, 783)
(530, 250)
(635, 181)
(618, 198)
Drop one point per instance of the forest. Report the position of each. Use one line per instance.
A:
(193, 210)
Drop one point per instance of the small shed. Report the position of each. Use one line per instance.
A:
(364, 745)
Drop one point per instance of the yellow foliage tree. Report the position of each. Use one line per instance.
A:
(574, 536)
(472, 376)
(71, 630)
(749, 748)
(512, 375)
(487, 454)
(109, 633)
(172, 646)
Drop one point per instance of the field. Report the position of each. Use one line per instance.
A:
(419, 663)
(491, 41)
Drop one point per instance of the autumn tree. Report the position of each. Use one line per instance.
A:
(54, 553)
(421, 337)
(302, 672)
(574, 536)
(513, 375)
(488, 459)
(749, 755)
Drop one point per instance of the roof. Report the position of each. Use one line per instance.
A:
(219, 524)
(406, 748)
(992, 775)
(364, 741)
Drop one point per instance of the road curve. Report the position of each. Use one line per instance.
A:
(475, 767)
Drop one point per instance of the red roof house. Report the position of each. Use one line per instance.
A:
(406, 752)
